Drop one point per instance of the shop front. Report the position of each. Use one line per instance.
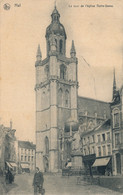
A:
(102, 166)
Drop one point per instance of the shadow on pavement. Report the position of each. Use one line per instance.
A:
(9, 187)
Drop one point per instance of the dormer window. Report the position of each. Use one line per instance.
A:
(116, 118)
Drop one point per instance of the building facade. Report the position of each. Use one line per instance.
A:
(26, 156)
(56, 96)
(97, 148)
(7, 148)
(117, 129)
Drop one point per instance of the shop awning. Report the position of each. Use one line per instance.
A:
(9, 165)
(24, 166)
(101, 162)
(13, 164)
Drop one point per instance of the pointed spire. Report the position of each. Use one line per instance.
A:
(55, 14)
(11, 123)
(114, 86)
(73, 51)
(39, 55)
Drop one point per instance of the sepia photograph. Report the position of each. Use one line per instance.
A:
(61, 97)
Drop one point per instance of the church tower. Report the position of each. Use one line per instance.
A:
(56, 96)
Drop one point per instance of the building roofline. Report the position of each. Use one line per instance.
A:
(93, 99)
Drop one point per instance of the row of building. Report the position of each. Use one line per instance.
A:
(87, 132)
(16, 155)
(101, 143)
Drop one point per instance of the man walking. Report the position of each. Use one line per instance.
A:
(38, 182)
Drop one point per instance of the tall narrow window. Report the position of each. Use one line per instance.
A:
(103, 137)
(109, 149)
(48, 47)
(61, 46)
(117, 139)
(104, 150)
(108, 136)
(46, 71)
(56, 43)
(116, 118)
(60, 97)
(66, 98)
(99, 151)
(98, 138)
(62, 71)
(46, 145)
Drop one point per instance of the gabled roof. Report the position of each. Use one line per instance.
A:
(26, 145)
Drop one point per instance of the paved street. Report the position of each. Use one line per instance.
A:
(56, 185)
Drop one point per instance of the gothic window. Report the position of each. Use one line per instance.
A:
(116, 118)
(46, 145)
(62, 71)
(48, 45)
(61, 46)
(61, 144)
(66, 98)
(93, 139)
(60, 97)
(56, 43)
(47, 71)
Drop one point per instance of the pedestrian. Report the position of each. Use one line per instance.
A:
(10, 177)
(38, 182)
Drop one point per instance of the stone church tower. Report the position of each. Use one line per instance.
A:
(56, 96)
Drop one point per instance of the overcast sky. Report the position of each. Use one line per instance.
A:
(98, 36)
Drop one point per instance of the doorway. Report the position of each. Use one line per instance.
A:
(118, 163)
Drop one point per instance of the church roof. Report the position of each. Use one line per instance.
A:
(55, 27)
(92, 106)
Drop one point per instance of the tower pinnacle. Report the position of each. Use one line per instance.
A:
(72, 51)
(39, 55)
(114, 86)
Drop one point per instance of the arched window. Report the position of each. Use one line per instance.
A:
(46, 145)
(56, 43)
(62, 71)
(116, 117)
(61, 46)
(60, 97)
(47, 71)
(66, 98)
(48, 46)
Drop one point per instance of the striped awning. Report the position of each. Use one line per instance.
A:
(9, 165)
(101, 162)
(13, 164)
(24, 165)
